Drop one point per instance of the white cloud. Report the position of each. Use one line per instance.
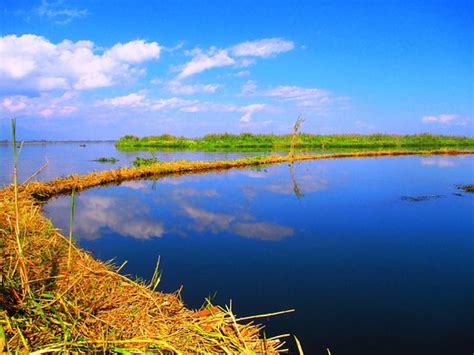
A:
(238, 55)
(262, 48)
(140, 101)
(13, 104)
(319, 101)
(178, 88)
(443, 118)
(171, 103)
(201, 61)
(133, 99)
(249, 111)
(44, 105)
(134, 52)
(32, 63)
(56, 12)
(297, 93)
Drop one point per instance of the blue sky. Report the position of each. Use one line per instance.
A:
(98, 70)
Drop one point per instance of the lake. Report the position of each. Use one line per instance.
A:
(375, 254)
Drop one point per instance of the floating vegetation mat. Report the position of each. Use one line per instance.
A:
(55, 297)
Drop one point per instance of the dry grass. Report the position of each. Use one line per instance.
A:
(87, 305)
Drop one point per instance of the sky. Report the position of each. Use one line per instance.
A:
(100, 69)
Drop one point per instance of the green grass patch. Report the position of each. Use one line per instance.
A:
(246, 141)
(139, 161)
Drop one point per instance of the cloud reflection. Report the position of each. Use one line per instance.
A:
(94, 214)
(440, 162)
(207, 221)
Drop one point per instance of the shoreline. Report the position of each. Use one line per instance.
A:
(44, 190)
(71, 301)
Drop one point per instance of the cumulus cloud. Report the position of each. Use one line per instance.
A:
(33, 63)
(44, 105)
(134, 52)
(443, 118)
(201, 61)
(239, 55)
(263, 48)
(249, 111)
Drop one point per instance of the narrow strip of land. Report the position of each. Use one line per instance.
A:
(45, 190)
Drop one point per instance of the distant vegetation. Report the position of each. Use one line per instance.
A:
(284, 142)
(106, 160)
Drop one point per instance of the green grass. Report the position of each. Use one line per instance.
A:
(244, 141)
(139, 161)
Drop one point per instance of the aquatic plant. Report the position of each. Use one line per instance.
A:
(467, 188)
(139, 161)
(106, 160)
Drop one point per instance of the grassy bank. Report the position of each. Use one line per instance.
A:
(304, 141)
(56, 297)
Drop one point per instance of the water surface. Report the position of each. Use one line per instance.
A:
(67, 158)
(375, 254)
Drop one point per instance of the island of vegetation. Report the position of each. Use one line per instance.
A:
(244, 141)
(106, 160)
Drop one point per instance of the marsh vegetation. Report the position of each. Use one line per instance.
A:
(303, 140)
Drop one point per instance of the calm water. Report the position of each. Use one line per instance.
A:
(376, 255)
(70, 158)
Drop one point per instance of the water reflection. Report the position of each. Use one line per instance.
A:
(96, 215)
(137, 217)
(440, 161)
